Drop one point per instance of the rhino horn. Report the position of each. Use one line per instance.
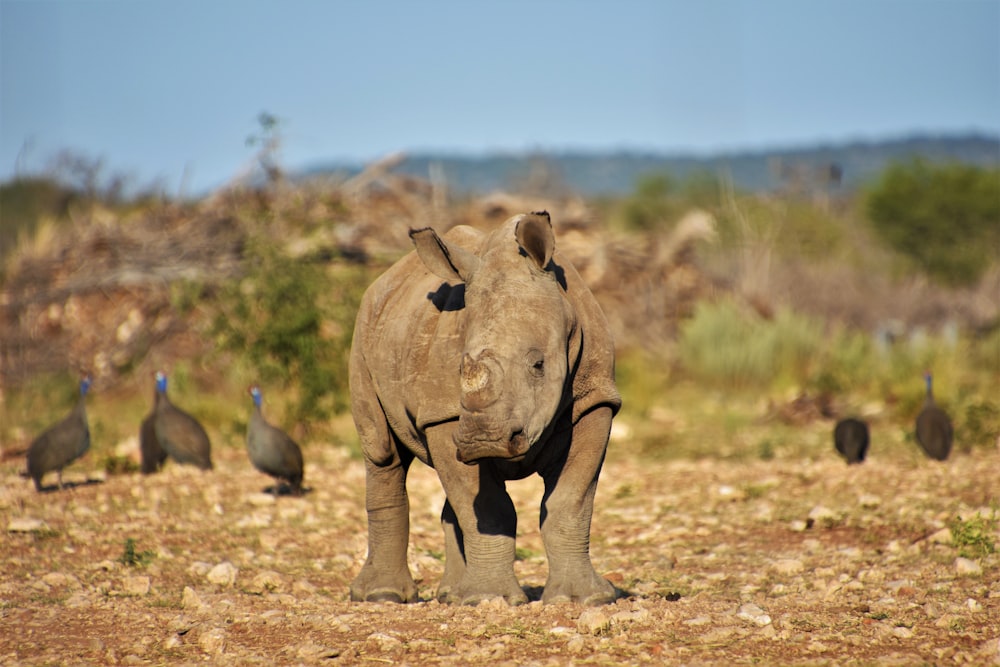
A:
(480, 381)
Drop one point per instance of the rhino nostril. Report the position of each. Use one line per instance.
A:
(517, 442)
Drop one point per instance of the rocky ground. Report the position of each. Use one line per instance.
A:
(774, 562)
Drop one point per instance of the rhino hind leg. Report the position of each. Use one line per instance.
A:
(566, 513)
(479, 524)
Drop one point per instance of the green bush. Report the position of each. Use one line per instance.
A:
(946, 219)
(726, 346)
(651, 206)
(659, 200)
(291, 323)
(24, 202)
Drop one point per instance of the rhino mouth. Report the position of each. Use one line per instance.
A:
(474, 449)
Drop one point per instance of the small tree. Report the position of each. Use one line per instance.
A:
(945, 218)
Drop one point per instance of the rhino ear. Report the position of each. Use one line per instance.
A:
(534, 235)
(450, 262)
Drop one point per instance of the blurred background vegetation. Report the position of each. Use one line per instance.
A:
(744, 332)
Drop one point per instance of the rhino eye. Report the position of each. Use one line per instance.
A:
(537, 363)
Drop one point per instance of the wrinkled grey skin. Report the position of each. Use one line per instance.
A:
(487, 358)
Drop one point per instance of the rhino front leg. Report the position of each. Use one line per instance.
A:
(454, 553)
(386, 576)
(479, 523)
(567, 508)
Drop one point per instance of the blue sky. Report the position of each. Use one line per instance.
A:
(168, 91)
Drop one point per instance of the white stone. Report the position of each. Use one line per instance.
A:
(190, 599)
(698, 621)
(788, 566)
(754, 614)
(593, 622)
(56, 579)
(25, 525)
(942, 536)
(213, 641)
(385, 641)
(267, 582)
(967, 567)
(136, 586)
(223, 574)
(261, 499)
(823, 516)
(869, 501)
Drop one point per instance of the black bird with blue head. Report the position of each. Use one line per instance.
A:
(934, 430)
(271, 450)
(62, 443)
(180, 435)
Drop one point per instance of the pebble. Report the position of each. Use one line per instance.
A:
(26, 525)
(267, 582)
(190, 599)
(698, 621)
(136, 586)
(213, 641)
(384, 641)
(261, 499)
(625, 618)
(942, 536)
(754, 614)
(967, 567)
(79, 599)
(788, 566)
(823, 516)
(223, 574)
(869, 501)
(593, 622)
(58, 579)
(313, 651)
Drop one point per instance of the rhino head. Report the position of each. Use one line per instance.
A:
(517, 335)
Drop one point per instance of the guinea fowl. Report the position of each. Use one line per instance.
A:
(62, 443)
(271, 450)
(179, 434)
(152, 454)
(850, 436)
(934, 432)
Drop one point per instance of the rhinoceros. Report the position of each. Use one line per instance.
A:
(486, 357)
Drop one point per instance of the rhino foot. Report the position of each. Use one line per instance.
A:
(471, 595)
(382, 596)
(593, 592)
(369, 588)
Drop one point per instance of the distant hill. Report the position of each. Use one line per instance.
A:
(845, 166)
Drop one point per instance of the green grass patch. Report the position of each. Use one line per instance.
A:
(132, 558)
(974, 537)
